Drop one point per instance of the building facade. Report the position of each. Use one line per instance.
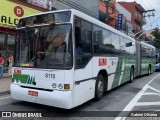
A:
(128, 26)
(108, 12)
(137, 12)
(89, 7)
(13, 10)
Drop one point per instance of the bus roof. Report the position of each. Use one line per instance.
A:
(43, 13)
(148, 45)
(89, 19)
(99, 23)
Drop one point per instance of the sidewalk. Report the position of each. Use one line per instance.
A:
(5, 82)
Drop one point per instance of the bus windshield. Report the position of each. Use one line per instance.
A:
(48, 47)
(58, 17)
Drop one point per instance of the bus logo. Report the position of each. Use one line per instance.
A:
(16, 71)
(25, 79)
(102, 61)
(31, 80)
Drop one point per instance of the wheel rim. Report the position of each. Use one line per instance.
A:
(149, 70)
(132, 75)
(100, 88)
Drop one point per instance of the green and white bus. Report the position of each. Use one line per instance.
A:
(65, 58)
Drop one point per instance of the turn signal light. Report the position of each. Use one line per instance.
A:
(66, 86)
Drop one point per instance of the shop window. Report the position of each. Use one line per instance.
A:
(2, 38)
(10, 44)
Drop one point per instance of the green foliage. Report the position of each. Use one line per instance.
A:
(156, 34)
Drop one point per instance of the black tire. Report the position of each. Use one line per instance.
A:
(99, 88)
(131, 75)
(149, 70)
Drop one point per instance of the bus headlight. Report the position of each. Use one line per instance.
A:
(60, 86)
(54, 85)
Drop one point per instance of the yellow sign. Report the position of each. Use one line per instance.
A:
(12, 12)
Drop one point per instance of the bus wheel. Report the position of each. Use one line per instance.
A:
(131, 75)
(149, 70)
(99, 89)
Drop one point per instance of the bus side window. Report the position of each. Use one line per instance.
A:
(83, 43)
(78, 43)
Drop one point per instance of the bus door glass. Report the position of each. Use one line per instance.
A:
(83, 43)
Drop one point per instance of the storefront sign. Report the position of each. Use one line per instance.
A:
(40, 3)
(12, 12)
(119, 21)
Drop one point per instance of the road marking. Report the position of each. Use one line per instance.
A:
(153, 89)
(147, 103)
(149, 93)
(5, 97)
(134, 101)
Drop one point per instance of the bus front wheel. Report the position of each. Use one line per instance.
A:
(99, 89)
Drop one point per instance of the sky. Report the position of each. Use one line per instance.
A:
(152, 22)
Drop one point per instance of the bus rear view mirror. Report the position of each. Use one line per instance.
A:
(129, 44)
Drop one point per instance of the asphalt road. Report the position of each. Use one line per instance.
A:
(141, 95)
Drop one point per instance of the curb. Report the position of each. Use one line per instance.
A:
(4, 93)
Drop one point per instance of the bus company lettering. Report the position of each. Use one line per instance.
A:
(16, 71)
(102, 61)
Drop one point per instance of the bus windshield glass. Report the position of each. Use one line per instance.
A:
(49, 18)
(48, 47)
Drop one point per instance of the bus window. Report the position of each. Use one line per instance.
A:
(83, 42)
(115, 40)
(105, 42)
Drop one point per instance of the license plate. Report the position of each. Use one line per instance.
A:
(32, 93)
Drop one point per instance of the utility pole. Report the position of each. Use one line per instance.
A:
(151, 14)
(107, 15)
(107, 4)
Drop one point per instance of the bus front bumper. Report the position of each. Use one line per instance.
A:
(60, 99)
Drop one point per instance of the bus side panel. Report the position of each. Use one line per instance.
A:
(153, 64)
(110, 66)
(69, 78)
(122, 73)
(144, 65)
(128, 62)
(118, 69)
(84, 85)
(138, 59)
(147, 59)
(153, 61)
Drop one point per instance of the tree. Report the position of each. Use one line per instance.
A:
(156, 34)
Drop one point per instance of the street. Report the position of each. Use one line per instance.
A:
(141, 95)
(65, 52)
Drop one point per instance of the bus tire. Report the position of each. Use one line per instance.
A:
(149, 70)
(99, 88)
(131, 75)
